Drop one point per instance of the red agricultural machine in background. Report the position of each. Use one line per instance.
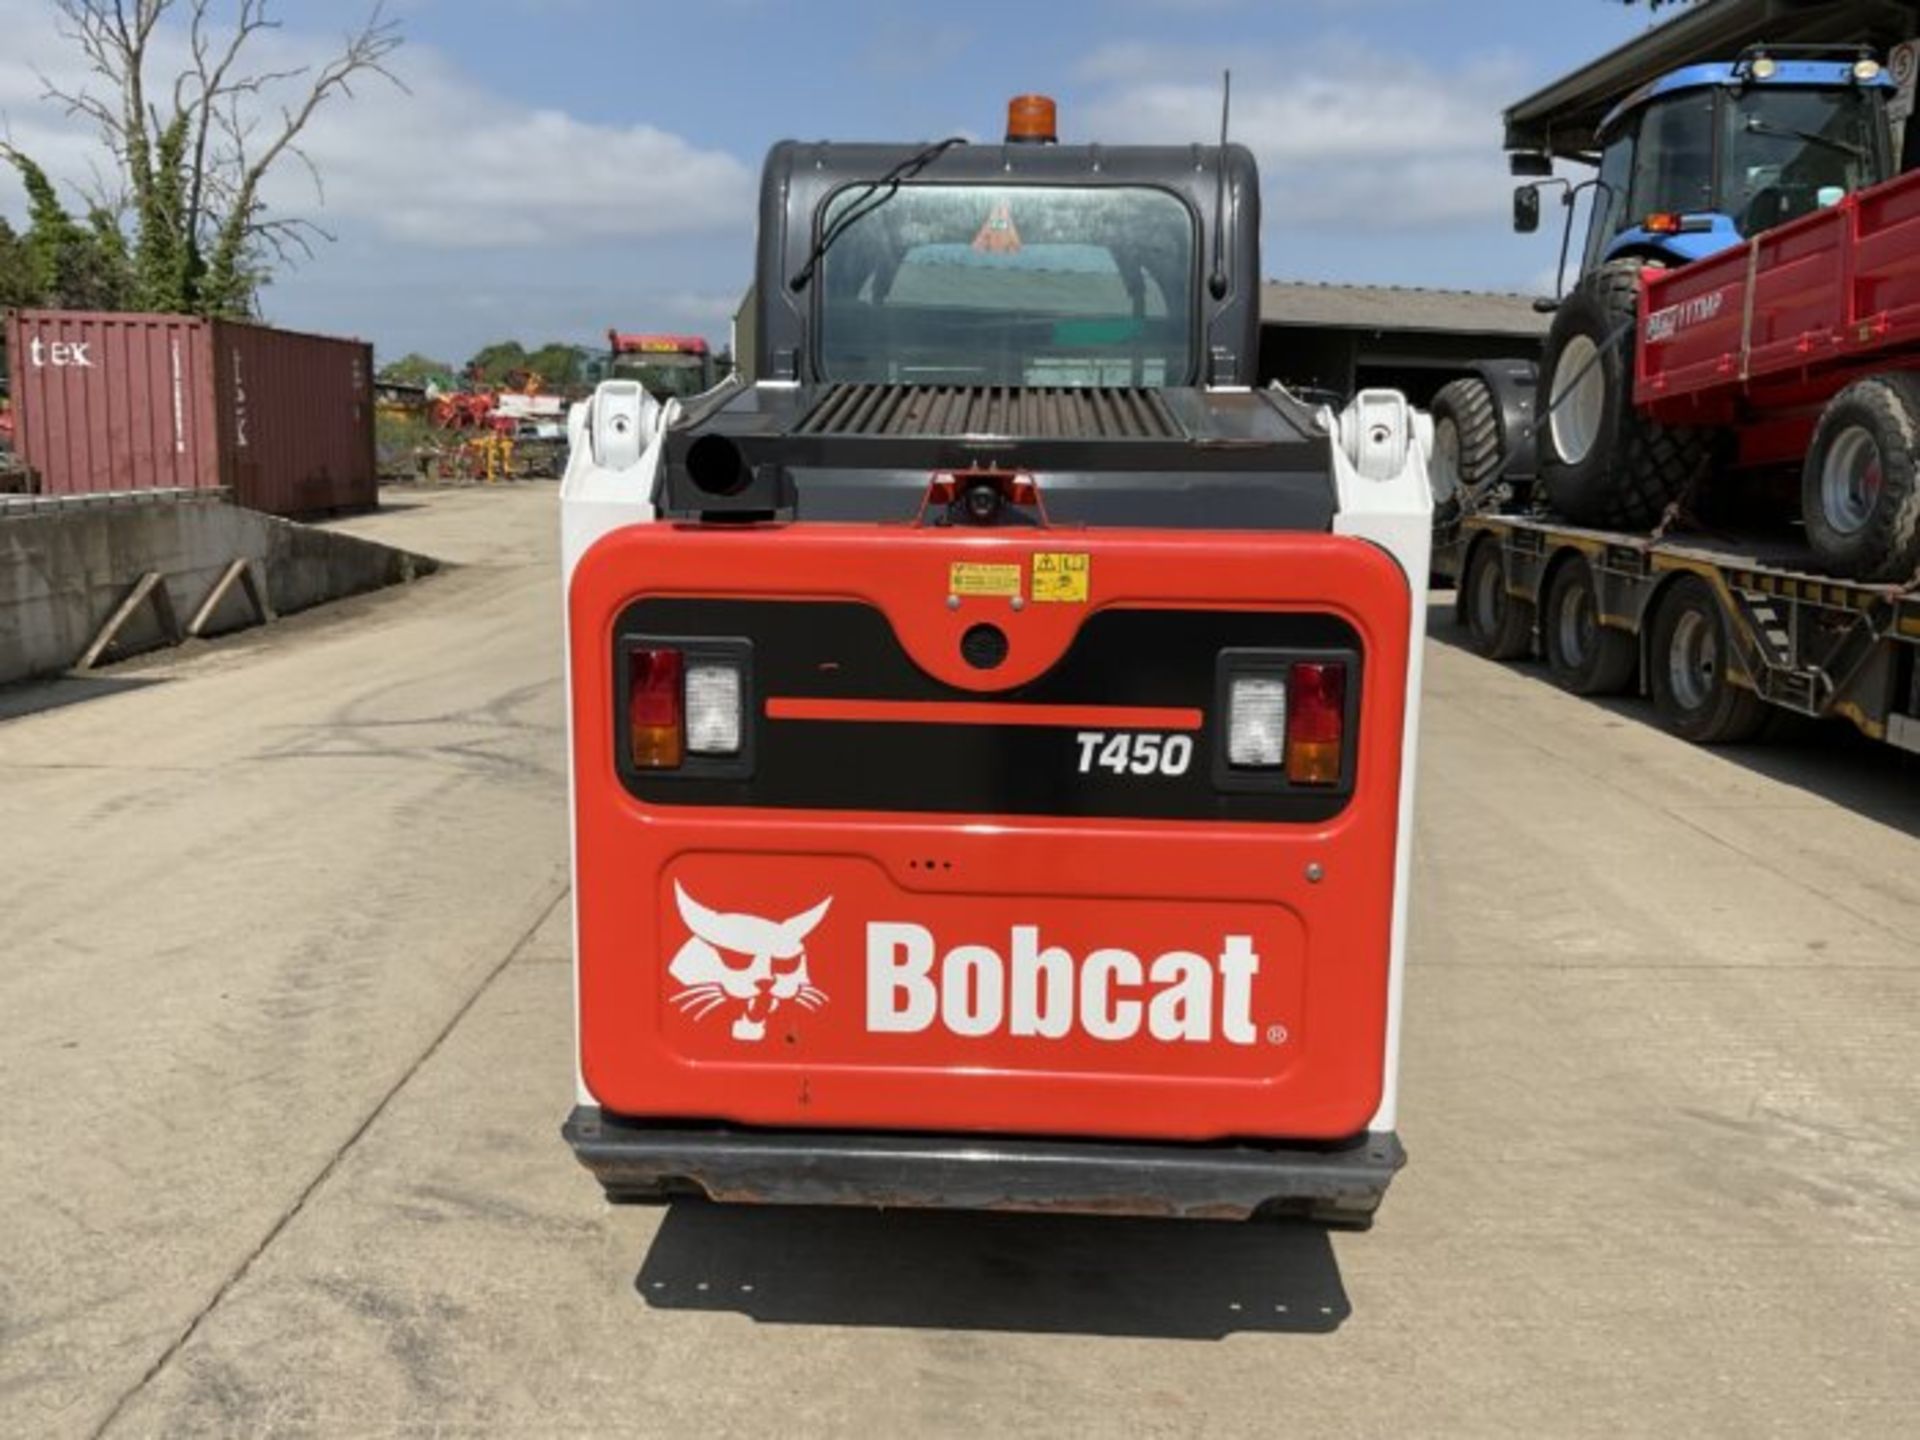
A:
(464, 410)
(500, 408)
(667, 366)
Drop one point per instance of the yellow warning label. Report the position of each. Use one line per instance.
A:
(966, 577)
(1061, 576)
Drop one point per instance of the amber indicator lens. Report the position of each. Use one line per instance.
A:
(1316, 721)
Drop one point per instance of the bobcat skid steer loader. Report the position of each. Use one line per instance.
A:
(992, 718)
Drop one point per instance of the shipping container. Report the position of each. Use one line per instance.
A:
(106, 402)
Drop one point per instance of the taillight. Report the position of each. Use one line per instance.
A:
(1284, 720)
(1316, 721)
(656, 736)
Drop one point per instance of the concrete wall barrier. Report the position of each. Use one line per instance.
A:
(67, 564)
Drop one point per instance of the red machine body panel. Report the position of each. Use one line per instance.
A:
(1762, 334)
(1047, 974)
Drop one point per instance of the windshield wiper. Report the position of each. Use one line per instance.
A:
(876, 194)
(1757, 126)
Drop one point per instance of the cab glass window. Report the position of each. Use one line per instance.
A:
(1673, 162)
(1011, 285)
(1790, 151)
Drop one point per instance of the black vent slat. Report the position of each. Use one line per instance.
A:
(888, 421)
(869, 405)
(1159, 408)
(1050, 412)
(839, 403)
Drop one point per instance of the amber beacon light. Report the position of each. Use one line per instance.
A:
(1030, 120)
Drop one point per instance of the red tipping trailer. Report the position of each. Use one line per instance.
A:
(1780, 323)
(1804, 342)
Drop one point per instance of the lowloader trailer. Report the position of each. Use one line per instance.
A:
(992, 727)
(1721, 638)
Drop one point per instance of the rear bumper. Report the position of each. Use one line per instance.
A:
(632, 1160)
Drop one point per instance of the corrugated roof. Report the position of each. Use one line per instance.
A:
(1398, 307)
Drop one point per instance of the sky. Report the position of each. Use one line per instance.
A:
(556, 167)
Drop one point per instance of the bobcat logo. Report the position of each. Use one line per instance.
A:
(758, 964)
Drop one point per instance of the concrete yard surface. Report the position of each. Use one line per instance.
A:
(288, 1028)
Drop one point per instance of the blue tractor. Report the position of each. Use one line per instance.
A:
(1692, 162)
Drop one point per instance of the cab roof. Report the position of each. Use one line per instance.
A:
(1787, 75)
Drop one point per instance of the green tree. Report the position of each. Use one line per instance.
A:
(415, 369)
(491, 364)
(16, 271)
(194, 149)
(59, 261)
(557, 363)
(166, 258)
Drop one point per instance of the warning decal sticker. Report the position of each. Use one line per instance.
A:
(1061, 576)
(965, 577)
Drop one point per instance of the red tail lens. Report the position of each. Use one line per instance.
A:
(1316, 721)
(656, 734)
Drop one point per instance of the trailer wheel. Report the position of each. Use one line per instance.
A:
(1584, 656)
(1687, 670)
(1602, 464)
(1499, 625)
(1466, 446)
(1859, 490)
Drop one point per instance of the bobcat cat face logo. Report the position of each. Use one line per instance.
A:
(743, 964)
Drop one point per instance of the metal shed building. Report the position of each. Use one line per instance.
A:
(1341, 338)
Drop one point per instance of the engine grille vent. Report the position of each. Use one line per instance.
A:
(1003, 411)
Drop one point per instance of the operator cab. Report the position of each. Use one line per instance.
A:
(1026, 263)
(1711, 154)
(1092, 310)
(668, 367)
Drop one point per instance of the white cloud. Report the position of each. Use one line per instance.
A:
(445, 163)
(453, 165)
(64, 147)
(1345, 135)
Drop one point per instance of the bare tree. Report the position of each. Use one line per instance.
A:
(194, 152)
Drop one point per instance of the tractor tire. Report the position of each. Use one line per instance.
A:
(1499, 625)
(1687, 671)
(1860, 488)
(1467, 454)
(1584, 657)
(1601, 463)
